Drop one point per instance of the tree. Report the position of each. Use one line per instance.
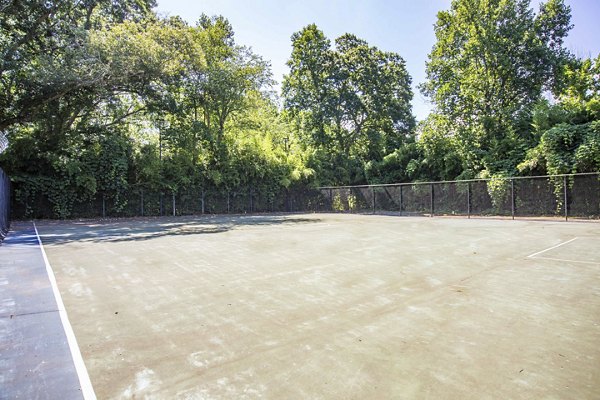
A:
(102, 99)
(73, 142)
(443, 156)
(580, 95)
(490, 64)
(43, 50)
(307, 90)
(373, 110)
(568, 131)
(351, 102)
(223, 88)
(206, 95)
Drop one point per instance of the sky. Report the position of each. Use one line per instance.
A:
(402, 26)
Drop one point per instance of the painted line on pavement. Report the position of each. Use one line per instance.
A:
(567, 261)
(551, 248)
(84, 379)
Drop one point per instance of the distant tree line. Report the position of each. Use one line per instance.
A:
(101, 98)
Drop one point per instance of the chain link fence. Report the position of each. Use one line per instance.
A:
(4, 204)
(3, 142)
(565, 196)
(143, 202)
(574, 195)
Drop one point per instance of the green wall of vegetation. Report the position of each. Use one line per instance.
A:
(103, 98)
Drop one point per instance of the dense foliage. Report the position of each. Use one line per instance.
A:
(491, 63)
(100, 99)
(350, 104)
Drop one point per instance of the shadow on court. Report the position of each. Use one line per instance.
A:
(136, 229)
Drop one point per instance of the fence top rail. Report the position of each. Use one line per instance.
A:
(458, 181)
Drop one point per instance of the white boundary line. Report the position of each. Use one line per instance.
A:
(84, 379)
(550, 248)
(568, 261)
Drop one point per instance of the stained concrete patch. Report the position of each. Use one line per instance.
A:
(331, 306)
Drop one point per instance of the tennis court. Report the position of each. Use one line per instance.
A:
(332, 306)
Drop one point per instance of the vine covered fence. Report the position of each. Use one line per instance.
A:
(572, 195)
(566, 196)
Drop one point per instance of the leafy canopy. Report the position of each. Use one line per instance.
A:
(491, 63)
(351, 101)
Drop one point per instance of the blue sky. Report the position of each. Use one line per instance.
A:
(401, 26)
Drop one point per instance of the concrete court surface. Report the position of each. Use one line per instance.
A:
(332, 306)
(36, 361)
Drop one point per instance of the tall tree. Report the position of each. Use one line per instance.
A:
(490, 64)
(43, 50)
(351, 101)
(201, 101)
(307, 90)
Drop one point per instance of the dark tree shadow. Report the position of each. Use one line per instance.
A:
(138, 229)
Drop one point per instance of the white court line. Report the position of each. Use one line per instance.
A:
(569, 261)
(551, 248)
(84, 379)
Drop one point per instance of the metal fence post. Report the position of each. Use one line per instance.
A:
(468, 199)
(401, 205)
(142, 202)
(251, 204)
(373, 198)
(202, 201)
(512, 198)
(173, 193)
(566, 198)
(227, 202)
(432, 209)
(103, 206)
